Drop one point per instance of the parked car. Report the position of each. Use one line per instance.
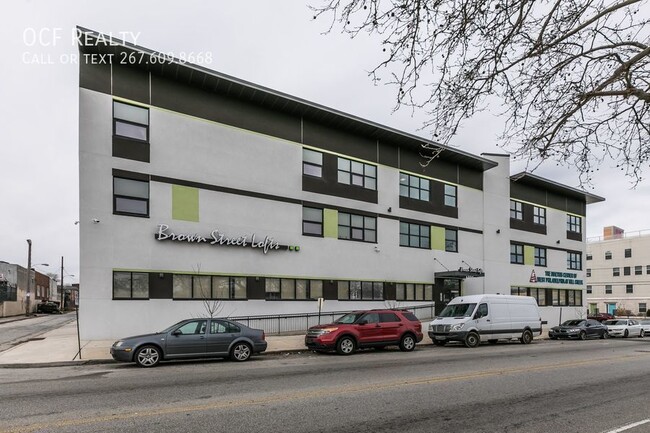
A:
(48, 307)
(469, 319)
(601, 317)
(191, 338)
(645, 324)
(368, 328)
(624, 328)
(580, 329)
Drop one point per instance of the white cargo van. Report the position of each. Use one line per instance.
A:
(475, 318)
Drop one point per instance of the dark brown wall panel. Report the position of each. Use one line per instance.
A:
(95, 76)
(339, 141)
(161, 287)
(255, 288)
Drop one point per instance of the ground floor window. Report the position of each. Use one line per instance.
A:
(208, 287)
(360, 290)
(555, 297)
(643, 307)
(130, 285)
(414, 292)
(289, 288)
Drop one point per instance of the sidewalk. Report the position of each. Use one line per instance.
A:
(60, 347)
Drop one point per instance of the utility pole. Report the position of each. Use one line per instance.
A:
(62, 290)
(29, 276)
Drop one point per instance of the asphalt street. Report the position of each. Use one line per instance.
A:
(548, 386)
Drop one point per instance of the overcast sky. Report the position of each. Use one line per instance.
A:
(271, 43)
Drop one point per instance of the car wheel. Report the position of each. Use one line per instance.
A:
(407, 343)
(241, 352)
(526, 337)
(605, 335)
(582, 335)
(626, 334)
(472, 339)
(148, 356)
(345, 346)
(642, 334)
(493, 341)
(439, 342)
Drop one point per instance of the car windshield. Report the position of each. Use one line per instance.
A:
(349, 318)
(573, 323)
(616, 322)
(458, 310)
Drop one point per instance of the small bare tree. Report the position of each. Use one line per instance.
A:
(213, 307)
(571, 77)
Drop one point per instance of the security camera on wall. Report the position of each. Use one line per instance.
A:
(95, 220)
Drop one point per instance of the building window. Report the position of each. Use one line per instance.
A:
(647, 269)
(629, 288)
(540, 256)
(130, 197)
(574, 224)
(627, 270)
(357, 227)
(539, 215)
(414, 187)
(414, 292)
(312, 221)
(360, 290)
(451, 240)
(588, 272)
(589, 289)
(130, 285)
(289, 288)
(516, 210)
(608, 289)
(616, 272)
(450, 195)
(540, 295)
(517, 254)
(186, 286)
(643, 307)
(628, 252)
(414, 235)
(638, 270)
(357, 173)
(574, 260)
(589, 256)
(518, 291)
(608, 255)
(312, 163)
(130, 121)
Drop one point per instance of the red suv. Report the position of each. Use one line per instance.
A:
(601, 317)
(368, 328)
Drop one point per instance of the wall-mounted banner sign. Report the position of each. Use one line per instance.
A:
(218, 238)
(557, 278)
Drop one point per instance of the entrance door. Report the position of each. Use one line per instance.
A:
(611, 308)
(444, 291)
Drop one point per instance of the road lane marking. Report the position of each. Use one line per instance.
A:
(298, 395)
(629, 426)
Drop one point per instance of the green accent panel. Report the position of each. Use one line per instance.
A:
(185, 203)
(437, 238)
(330, 223)
(529, 255)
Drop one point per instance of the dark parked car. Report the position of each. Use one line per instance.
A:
(192, 338)
(601, 317)
(368, 328)
(48, 307)
(579, 329)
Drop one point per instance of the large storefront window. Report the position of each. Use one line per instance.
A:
(414, 292)
(360, 290)
(289, 289)
(554, 297)
(130, 285)
(208, 287)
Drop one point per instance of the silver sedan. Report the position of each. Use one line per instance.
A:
(624, 328)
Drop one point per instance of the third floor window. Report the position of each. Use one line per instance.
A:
(357, 173)
(414, 187)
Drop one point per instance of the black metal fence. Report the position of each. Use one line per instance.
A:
(288, 323)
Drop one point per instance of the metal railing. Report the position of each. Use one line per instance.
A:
(289, 323)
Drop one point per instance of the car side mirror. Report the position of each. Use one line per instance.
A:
(478, 315)
(177, 332)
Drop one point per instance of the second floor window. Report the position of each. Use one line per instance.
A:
(574, 260)
(451, 240)
(450, 195)
(517, 254)
(357, 227)
(540, 256)
(130, 197)
(414, 235)
(574, 224)
(312, 221)
(357, 173)
(414, 187)
(516, 210)
(616, 272)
